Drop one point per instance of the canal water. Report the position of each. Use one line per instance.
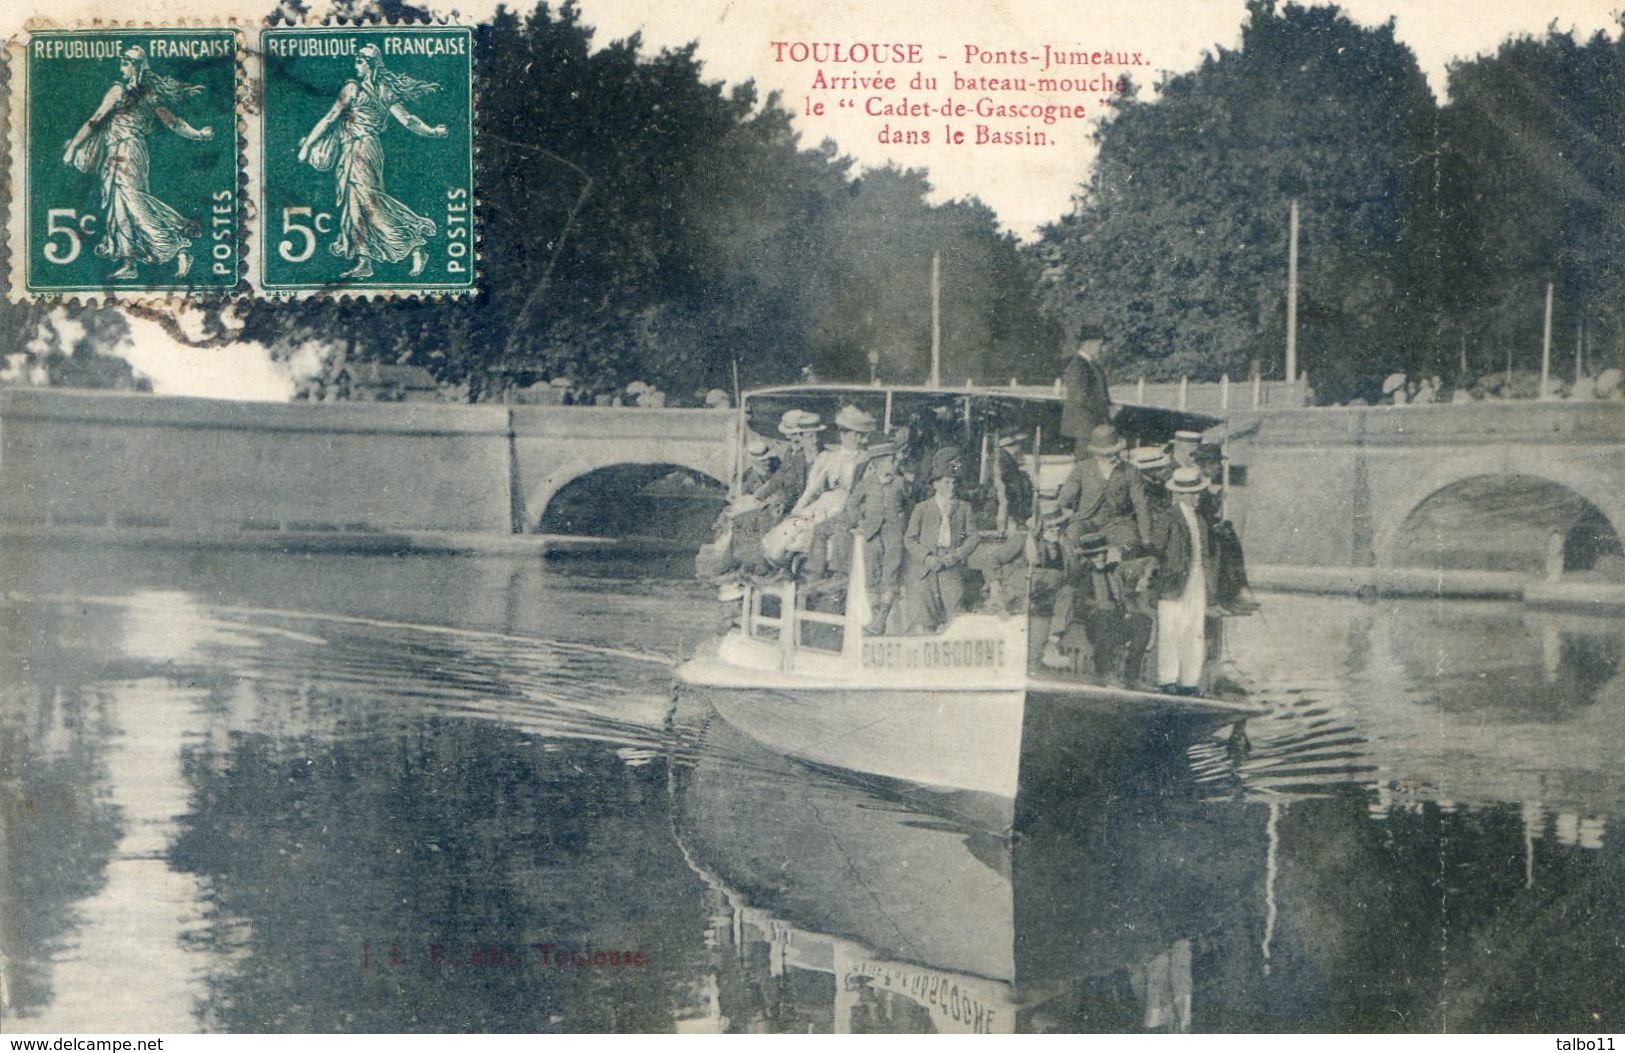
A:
(253, 792)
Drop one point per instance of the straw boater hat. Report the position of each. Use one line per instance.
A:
(1187, 481)
(883, 448)
(1194, 438)
(1148, 458)
(850, 418)
(800, 422)
(1104, 439)
(758, 448)
(1011, 438)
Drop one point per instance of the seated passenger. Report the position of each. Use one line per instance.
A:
(939, 538)
(1005, 522)
(877, 511)
(760, 465)
(755, 512)
(1103, 494)
(829, 483)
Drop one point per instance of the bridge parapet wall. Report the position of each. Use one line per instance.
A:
(128, 460)
(1333, 486)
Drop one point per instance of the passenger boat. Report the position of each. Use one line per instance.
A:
(953, 711)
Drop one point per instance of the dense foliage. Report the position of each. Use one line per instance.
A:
(640, 222)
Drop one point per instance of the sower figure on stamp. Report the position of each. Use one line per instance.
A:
(136, 226)
(348, 139)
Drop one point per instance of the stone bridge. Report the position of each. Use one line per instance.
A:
(1338, 496)
(1370, 493)
(200, 467)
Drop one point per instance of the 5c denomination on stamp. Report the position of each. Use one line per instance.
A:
(125, 163)
(366, 181)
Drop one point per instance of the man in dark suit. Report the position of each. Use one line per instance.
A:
(1088, 402)
(1103, 493)
(940, 537)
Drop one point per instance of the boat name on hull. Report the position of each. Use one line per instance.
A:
(933, 654)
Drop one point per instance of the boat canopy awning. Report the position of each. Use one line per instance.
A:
(973, 410)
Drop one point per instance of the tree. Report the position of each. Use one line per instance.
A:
(1532, 193)
(1179, 244)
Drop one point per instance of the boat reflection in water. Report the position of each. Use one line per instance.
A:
(842, 907)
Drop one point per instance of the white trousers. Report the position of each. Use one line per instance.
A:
(1182, 634)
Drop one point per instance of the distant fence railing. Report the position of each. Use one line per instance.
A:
(1216, 398)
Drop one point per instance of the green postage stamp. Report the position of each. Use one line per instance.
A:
(125, 163)
(366, 160)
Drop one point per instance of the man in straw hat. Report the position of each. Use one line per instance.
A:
(877, 513)
(760, 464)
(939, 539)
(1184, 587)
(1103, 493)
(762, 505)
(829, 483)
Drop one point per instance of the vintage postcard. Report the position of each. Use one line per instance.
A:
(742, 517)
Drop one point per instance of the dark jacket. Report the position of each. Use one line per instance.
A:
(785, 485)
(1088, 402)
(1116, 504)
(875, 505)
(920, 539)
(1173, 544)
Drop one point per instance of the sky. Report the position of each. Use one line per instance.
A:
(1026, 186)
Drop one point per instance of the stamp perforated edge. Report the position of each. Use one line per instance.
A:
(16, 107)
(260, 233)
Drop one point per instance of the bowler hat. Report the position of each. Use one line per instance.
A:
(1104, 439)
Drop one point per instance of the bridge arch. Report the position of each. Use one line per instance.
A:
(649, 499)
(1502, 520)
(553, 448)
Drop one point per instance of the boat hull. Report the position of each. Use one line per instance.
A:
(947, 741)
